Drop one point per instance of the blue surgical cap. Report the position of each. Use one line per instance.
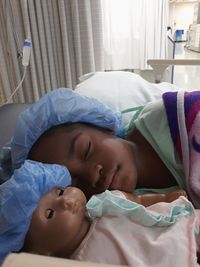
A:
(58, 107)
(19, 197)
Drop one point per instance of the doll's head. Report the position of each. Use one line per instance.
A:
(19, 198)
(58, 224)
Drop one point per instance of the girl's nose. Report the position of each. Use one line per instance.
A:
(96, 175)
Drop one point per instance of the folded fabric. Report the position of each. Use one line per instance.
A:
(20, 195)
(5, 164)
(108, 203)
(140, 240)
(57, 107)
(183, 113)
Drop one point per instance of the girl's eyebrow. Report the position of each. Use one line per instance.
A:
(73, 142)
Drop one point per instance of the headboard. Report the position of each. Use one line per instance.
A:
(8, 117)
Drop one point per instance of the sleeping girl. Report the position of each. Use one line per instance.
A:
(40, 214)
(157, 152)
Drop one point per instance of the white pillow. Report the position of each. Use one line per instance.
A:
(121, 90)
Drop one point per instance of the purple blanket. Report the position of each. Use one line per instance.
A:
(183, 113)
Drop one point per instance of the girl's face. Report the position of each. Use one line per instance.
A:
(96, 157)
(58, 224)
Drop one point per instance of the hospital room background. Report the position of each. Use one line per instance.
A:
(68, 39)
(125, 53)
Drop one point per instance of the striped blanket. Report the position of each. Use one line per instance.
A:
(183, 113)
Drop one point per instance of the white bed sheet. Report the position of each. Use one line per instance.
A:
(121, 90)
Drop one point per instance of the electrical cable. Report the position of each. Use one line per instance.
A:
(26, 49)
(26, 17)
(10, 15)
(17, 88)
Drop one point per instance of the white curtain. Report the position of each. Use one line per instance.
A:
(134, 31)
(67, 39)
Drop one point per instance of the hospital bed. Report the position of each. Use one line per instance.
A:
(8, 117)
(31, 260)
(119, 90)
(159, 66)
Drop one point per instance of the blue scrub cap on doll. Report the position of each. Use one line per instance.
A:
(58, 107)
(20, 195)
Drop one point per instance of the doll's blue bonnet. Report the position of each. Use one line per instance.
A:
(20, 195)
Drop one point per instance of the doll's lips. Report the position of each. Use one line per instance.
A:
(78, 207)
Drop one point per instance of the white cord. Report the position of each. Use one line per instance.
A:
(18, 87)
(26, 50)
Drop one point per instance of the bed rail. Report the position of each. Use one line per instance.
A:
(160, 65)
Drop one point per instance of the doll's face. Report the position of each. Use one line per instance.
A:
(96, 157)
(58, 223)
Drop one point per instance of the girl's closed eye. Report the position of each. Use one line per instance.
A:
(49, 213)
(87, 151)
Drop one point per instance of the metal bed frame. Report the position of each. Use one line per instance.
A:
(160, 65)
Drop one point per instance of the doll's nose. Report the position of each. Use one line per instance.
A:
(67, 203)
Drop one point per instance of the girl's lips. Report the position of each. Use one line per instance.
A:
(114, 183)
(110, 179)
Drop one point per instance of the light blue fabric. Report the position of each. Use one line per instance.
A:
(20, 195)
(57, 107)
(109, 204)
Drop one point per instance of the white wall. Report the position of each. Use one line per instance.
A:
(181, 16)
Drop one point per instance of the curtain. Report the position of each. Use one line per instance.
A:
(134, 31)
(67, 42)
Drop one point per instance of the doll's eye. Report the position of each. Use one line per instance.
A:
(49, 213)
(60, 191)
